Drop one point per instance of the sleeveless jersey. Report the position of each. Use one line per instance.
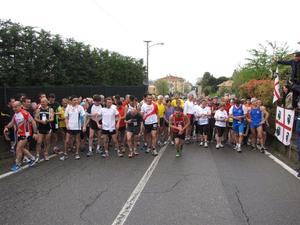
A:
(256, 116)
(22, 122)
(178, 120)
(44, 115)
(237, 111)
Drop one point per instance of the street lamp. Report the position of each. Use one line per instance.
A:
(148, 46)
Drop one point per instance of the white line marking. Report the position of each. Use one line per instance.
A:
(22, 168)
(282, 164)
(128, 206)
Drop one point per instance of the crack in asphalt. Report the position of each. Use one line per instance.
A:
(167, 190)
(237, 194)
(90, 204)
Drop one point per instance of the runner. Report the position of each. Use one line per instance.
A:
(202, 113)
(169, 111)
(73, 114)
(133, 127)
(256, 121)
(265, 124)
(44, 117)
(94, 120)
(61, 119)
(179, 123)
(188, 110)
(54, 124)
(220, 117)
(237, 112)
(161, 112)
(109, 116)
(150, 115)
(121, 131)
(26, 131)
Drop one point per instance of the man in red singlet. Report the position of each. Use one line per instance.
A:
(179, 123)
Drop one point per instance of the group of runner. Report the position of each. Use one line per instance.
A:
(129, 124)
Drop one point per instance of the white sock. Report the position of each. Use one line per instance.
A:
(98, 147)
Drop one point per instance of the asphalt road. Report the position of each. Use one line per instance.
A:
(204, 187)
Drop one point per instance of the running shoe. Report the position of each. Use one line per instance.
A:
(31, 162)
(239, 150)
(235, 147)
(178, 154)
(120, 154)
(148, 150)
(221, 146)
(89, 153)
(77, 156)
(130, 155)
(63, 157)
(217, 146)
(201, 143)
(172, 143)
(135, 152)
(37, 159)
(25, 159)
(205, 145)
(46, 158)
(154, 152)
(15, 167)
(98, 151)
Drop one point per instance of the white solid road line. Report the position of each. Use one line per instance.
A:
(22, 168)
(128, 206)
(282, 164)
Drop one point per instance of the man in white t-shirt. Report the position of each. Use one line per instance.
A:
(221, 117)
(149, 111)
(74, 114)
(110, 123)
(189, 110)
(202, 113)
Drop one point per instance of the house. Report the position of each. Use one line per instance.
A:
(176, 84)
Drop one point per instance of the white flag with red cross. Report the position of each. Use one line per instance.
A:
(284, 125)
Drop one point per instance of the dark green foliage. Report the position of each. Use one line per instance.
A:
(30, 57)
(209, 83)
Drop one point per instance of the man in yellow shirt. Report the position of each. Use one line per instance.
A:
(173, 103)
(161, 112)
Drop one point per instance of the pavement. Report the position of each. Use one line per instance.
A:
(203, 187)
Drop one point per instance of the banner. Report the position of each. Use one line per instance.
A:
(284, 125)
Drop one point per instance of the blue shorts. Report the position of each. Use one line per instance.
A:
(254, 125)
(238, 127)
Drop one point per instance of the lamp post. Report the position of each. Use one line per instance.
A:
(148, 46)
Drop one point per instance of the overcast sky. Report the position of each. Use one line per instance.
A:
(199, 35)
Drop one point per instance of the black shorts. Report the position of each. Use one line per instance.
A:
(29, 138)
(180, 136)
(150, 127)
(93, 125)
(220, 131)
(73, 132)
(161, 122)
(134, 130)
(44, 131)
(202, 129)
(107, 132)
(122, 129)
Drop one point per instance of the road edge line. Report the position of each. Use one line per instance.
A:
(282, 164)
(7, 174)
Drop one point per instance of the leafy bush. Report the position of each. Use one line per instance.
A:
(262, 89)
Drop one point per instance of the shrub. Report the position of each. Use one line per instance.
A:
(262, 89)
